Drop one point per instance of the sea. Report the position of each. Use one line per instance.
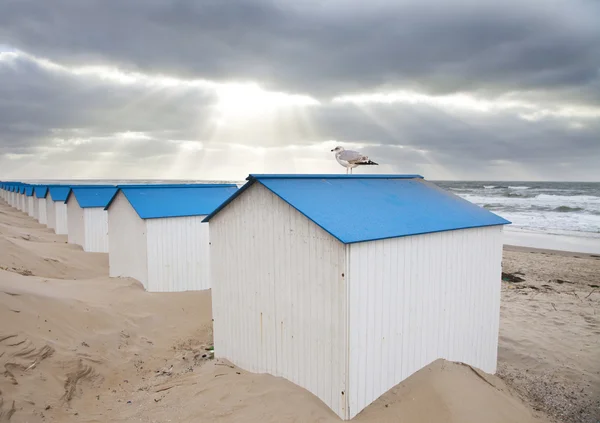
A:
(567, 212)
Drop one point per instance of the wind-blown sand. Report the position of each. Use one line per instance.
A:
(77, 346)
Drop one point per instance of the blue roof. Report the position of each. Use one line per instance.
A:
(92, 196)
(358, 208)
(59, 192)
(22, 189)
(41, 191)
(29, 190)
(156, 202)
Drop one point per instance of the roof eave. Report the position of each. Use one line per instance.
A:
(251, 180)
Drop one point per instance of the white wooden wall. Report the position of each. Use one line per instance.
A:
(22, 202)
(42, 217)
(279, 297)
(51, 212)
(36, 208)
(62, 224)
(127, 252)
(178, 255)
(30, 206)
(413, 300)
(95, 230)
(75, 224)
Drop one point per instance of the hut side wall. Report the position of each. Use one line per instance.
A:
(51, 212)
(177, 254)
(75, 226)
(62, 224)
(22, 199)
(42, 215)
(127, 247)
(95, 230)
(278, 294)
(416, 299)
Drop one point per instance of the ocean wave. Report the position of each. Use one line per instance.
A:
(518, 187)
(588, 199)
(567, 209)
(490, 186)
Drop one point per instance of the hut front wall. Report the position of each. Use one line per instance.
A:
(127, 247)
(42, 216)
(416, 299)
(279, 295)
(36, 208)
(95, 238)
(22, 202)
(75, 227)
(30, 206)
(51, 212)
(60, 212)
(177, 254)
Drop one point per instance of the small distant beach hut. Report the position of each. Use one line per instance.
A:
(86, 217)
(40, 191)
(156, 234)
(12, 198)
(29, 200)
(22, 199)
(347, 285)
(56, 208)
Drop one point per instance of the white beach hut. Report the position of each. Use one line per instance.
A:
(29, 200)
(347, 285)
(22, 199)
(12, 199)
(40, 191)
(156, 234)
(86, 217)
(56, 208)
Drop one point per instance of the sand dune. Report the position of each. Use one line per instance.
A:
(77, 346)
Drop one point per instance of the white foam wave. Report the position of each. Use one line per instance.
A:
(518, 187)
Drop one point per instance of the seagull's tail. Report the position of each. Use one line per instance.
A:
(368, 163)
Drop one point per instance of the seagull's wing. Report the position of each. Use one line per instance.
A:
(352, 156)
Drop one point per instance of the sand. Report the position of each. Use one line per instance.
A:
(77, 346)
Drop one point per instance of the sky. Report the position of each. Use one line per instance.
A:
(216, 90)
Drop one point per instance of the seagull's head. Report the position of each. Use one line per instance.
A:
(338, 149)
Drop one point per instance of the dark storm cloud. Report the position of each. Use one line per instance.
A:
(326, 48)
(38, 104)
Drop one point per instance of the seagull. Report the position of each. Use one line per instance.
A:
(351, 159)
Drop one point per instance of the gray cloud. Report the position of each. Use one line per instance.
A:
(326, 48)
(544, 55)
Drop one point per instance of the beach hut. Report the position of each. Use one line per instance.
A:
(56, 208)
(40, 191)
(21, 201)
(156, 234)
(347, 285)
(86, 217)
(29, 200)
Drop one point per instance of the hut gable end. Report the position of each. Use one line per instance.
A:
(298, 269)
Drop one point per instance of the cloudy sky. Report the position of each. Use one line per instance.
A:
(215, 89)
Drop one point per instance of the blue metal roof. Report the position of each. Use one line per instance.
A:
(41, 191)
(176, 201)
(22, 189)
(92, 196)
(174, 185)
(29, 190)
(357, 208)
(59, 192)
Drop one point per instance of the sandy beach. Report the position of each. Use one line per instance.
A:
(77, 346)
